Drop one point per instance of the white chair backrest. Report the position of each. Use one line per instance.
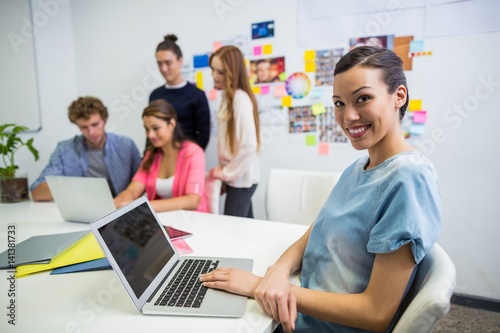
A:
(296, 196)
(434, 285)
(212, 194)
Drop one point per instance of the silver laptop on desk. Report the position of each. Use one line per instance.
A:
(149, 266)
(81, 199)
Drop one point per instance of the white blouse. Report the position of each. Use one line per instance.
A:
(240, 169)
(164, 187)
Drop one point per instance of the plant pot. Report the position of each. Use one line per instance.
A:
(14, 189)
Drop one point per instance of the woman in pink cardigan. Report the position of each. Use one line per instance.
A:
(172, 173)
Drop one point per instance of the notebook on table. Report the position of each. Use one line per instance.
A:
(81, 199)
(142, 255)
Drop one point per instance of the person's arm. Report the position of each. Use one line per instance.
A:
(186, 202)
(41, 193)
(133, 191)
(373, 309)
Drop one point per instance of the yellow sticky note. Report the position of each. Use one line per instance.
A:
(318, 108)
(286, 101)
(415, 105)
(267, 49)
(247, 62)
(282, 76)
(256, 90)
(199, 80)
(309, 55)
(310, 67)
(311, 140)
(323, 148)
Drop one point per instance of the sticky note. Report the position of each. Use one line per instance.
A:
(199, 80)
(279, 91)
(257, 50)
(417, 129)
(323, 148)
(416, 46)
(420, 117)
(267, 49)
(256, 90)
(318, 108)
(217, 45)
(311, 140)
(212, 94)
(317, 93)
(286, 101)
(200, 61)
(310, 67)
(415, 105)
(310, 55)
(264, 90)
(282, 76)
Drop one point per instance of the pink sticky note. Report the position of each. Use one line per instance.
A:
(279, 91)
(264, 90)
(257, 50)
(323, 148)
(212, 94)
(217, 45)
(420, 117)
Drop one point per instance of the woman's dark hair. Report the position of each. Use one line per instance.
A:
(169, 44)
(161, 109)
(375, 57)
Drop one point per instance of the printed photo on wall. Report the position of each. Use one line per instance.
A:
(301, 120)
(325, 64)
(263, 29)
(380, 41)
(329, 130)
(266, 70)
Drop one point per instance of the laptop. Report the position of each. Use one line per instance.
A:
(148, 265)
(81, 199)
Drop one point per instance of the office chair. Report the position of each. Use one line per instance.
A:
(432, 289)
(296, 196)
(212, 193)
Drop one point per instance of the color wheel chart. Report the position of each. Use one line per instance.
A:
(298, 85)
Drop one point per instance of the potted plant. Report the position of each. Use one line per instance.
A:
(13, 187)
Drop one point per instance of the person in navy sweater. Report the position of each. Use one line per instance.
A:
(190, 103)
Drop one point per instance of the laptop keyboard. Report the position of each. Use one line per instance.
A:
(185, 288)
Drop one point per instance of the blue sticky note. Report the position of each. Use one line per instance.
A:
(417, 129)
(416, 46)
(201, 61)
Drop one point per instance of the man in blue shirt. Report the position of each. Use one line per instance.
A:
(95, 153)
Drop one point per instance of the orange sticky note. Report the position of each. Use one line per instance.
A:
(310, 67)
(323, 148)
(286, 101)
(267, 49)
(309, 55)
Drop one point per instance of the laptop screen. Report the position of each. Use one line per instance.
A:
(138, 245)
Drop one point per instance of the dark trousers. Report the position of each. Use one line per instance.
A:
(239, 201)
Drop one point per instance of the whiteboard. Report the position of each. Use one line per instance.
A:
(18, 83)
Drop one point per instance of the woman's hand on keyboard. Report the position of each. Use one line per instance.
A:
(234, 280)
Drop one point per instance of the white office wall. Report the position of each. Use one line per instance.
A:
(106, 48)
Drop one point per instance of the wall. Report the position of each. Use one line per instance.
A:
(107, 49)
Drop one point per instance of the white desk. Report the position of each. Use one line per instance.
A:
(96, 301)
